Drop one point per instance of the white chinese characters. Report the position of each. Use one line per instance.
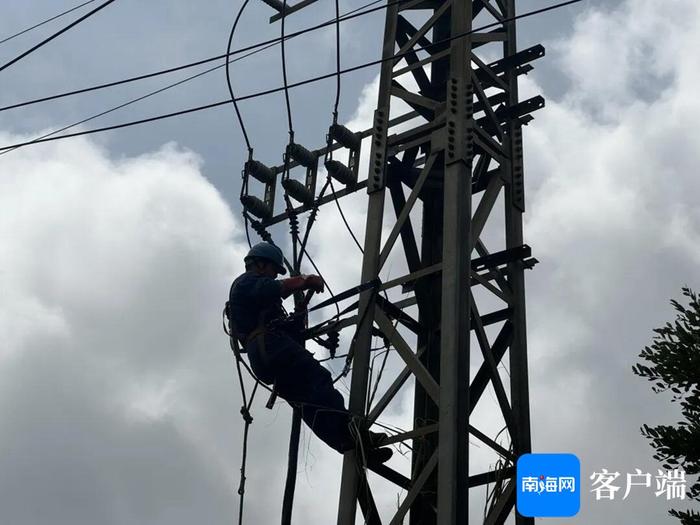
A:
(548, 484)
(670, 483)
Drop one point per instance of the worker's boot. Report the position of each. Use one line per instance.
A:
(372, 442)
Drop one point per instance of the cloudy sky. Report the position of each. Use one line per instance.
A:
(118, 397)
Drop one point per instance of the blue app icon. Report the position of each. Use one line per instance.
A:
(548, 485)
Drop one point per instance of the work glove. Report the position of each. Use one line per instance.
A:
(315, 283)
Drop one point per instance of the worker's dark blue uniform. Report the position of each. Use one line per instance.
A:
(278, 357)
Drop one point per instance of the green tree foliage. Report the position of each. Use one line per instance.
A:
(674, 359)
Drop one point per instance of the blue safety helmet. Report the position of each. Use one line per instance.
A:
(269, 252)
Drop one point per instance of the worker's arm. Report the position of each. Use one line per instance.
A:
(301, 282)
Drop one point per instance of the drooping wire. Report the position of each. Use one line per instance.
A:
(59, 15)
(55, 35)
(290, 86)
(345, 221)
(228, 78)
(284, 73)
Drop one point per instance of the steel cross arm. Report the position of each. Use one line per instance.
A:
(361, 134)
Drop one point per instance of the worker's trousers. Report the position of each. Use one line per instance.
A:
(304, 383)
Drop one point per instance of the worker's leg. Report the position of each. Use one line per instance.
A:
(304, 383)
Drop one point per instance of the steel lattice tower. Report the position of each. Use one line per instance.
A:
(460, 143)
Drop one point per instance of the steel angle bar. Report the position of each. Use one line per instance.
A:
(485, 38)
(366, 500)
(491, 443)
(291, 9)
(390, 392)
(389, 474)
(411, 360)
(482, 376)
(493, 260)
(491, 9)
(411, 434)
(421, 63)
(401, 219)
(494, 273)
(399, 315)
(411, 276)
(491, 476)
(414, 99)
(415, 489)
(425, 106)
(485, 207)
(501, 510)
(478, 90)
(477, 279)
(492, 368)
(496, 317)
(483, 140)
(417, 132)
(486, 75)
(420, 33)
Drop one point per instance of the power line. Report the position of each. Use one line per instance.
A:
(269, 43)
(56, 34)
(228, 78)
(133, 101)
(293, 85)
(59, 15)
(284, 73)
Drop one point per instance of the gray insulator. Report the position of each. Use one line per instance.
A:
(302, 155)
(259, 171)
(256, 207)
(298, 191)
(345, 137)
(340, 172)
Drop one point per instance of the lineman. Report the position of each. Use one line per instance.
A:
(275, 348)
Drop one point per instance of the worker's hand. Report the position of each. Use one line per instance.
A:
(315, 283)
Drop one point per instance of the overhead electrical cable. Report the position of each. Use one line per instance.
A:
(266, 45)
(293, 85)
(59, 15)
(55, 35)
(284, 73)
(228, 77)
(134, 100)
